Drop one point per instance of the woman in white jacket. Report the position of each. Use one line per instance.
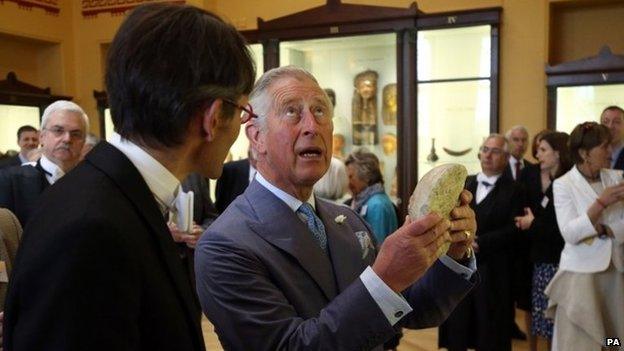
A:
(587, 293)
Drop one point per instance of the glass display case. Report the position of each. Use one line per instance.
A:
(359, 74)
(453, 99)
(21, 104)
(400, 78)
(579, 90)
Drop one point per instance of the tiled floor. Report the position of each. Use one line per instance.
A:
(413, 340)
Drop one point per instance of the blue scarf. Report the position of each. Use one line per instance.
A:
(360, 199)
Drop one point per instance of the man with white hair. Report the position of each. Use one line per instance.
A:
(282, 269)
(63, 128)
(518, 139)
(481, 320)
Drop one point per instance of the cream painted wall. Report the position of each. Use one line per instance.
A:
(49, 37)
(80, 68)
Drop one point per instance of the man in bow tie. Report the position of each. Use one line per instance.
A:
(64, 126)
(98, 269)
(488, 308)
(282, 269)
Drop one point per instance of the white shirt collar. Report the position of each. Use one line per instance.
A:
(288, 199)
(162, 183)
(513, 161)
(54, 172)
(23, 159)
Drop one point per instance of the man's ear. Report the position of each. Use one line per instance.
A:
(210, 118)
(252, 130)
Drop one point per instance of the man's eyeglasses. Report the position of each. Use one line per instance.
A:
(60, 131)
(493, 150)
(246, 111)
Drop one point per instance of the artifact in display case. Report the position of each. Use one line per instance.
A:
(338, 146)
(364, 108)
(389, 143)
(432, 157)
(389, 107)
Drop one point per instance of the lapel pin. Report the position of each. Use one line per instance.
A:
(340, 219)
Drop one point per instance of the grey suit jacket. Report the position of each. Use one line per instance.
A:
(266, 285)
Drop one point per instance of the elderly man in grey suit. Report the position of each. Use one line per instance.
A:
(281, 269)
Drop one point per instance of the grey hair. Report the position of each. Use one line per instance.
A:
(498, 136)
(334, 183)
(261, 101)
(366, 165)
(64, 105)
(514, 128)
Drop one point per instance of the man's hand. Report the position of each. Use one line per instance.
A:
(406, 255)
(190, 239)
(524, 222)
(463, 228)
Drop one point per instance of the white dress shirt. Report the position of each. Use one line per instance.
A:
(393, 305)
(163, 184)
(512, 164)
(53, 172)
(482, 189)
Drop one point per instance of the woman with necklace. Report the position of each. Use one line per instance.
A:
(586, 296)
(540, 225)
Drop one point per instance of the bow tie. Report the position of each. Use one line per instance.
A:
(486, 184)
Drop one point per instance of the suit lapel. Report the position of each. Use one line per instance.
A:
(124, 174)
(42, 172)
(281, 227)
(344, 249)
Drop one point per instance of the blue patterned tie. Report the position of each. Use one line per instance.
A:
(314, 224)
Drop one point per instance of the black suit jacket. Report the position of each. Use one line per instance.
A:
(481, 320)
(509, 175)
(20, 189)
(204, 211)
(233, 182)
(98, 269)
(619, 161)
(11, 161)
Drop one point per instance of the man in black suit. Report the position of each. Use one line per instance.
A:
(234, 180)
(28, 140)
(64, 126)
(612, 117)
(518, 139)
(98, 269)
(481, 320)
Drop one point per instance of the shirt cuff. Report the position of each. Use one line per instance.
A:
(465, 271)
(393, 305)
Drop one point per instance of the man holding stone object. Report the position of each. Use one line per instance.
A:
(281, 269)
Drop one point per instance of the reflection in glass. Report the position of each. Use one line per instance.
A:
(11, 118)
(585, 103)
(441, 50)
(355, 68)
(457, 116)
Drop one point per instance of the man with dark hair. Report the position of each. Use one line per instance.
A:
(99, 269)
(28, 140)
(612, 117)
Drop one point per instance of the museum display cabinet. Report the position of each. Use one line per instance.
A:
(21, 104)
(416, 89)
(579, 90)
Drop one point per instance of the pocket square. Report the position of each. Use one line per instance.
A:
(365, 242)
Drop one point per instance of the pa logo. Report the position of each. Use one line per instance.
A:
(613, 342)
